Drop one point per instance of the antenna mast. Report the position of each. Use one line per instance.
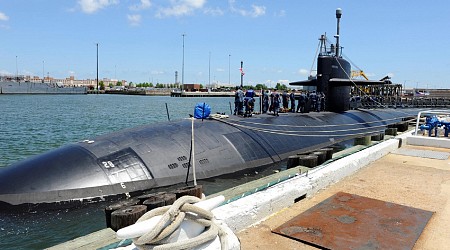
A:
(338, 17)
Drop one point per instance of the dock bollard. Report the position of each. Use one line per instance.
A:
(292, 161)
(126, 216)
(116, 206)
(321, 156)
(309, 161)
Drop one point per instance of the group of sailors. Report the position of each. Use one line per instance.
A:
(275, 102)
(244, 103)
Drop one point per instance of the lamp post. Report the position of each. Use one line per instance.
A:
(97, 68)
(182, 67)
(229, 70)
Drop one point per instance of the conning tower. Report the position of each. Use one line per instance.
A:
(333, 74)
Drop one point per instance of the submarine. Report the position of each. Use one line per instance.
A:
(130, 161)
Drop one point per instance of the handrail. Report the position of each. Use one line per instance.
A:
(440, 112)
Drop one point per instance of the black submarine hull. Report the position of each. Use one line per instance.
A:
(126, 162)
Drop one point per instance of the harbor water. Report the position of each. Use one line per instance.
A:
(33, 124)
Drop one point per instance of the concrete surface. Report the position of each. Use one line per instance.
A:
(412, 181)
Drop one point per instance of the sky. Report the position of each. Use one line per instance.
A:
(142, 40)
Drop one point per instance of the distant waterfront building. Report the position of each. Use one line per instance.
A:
(72, 82)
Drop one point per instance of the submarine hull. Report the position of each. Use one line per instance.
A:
(127, 162)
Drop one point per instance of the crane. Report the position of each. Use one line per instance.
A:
(357, 73)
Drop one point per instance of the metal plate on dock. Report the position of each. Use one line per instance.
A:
(422, 153)
(348, 221)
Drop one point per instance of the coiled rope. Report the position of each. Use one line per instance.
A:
(174, 215)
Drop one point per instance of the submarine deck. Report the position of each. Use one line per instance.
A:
(414, 181)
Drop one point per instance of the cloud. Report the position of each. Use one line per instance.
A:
(281, 13)
(213, 12)
(256, 10)
(220, 70)
(303, 72)
(156, 72)
(3, 17)
(181, 8)
(91, 6)
(285, 82)
(144, 4)
(134, 20)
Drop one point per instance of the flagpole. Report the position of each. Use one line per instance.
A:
(242, 74)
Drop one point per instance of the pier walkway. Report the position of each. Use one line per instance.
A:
(411, 180)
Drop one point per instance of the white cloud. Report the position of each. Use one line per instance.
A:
(256, 10)
(144, 4)
(3, 17)
(285, 82)
(281, 13)
(134, 20)
(181, 8)
(91, 6)
(303, 72)
(213, 12)
(156, 72)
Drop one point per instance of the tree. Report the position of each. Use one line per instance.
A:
(201, 86)
(281, 86)
(260, 86)
(119, 83)
(102, 85)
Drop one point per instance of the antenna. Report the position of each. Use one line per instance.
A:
(338, 17)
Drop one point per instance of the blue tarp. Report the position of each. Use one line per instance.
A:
(202, 110)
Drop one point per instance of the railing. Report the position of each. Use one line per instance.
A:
(436, 112)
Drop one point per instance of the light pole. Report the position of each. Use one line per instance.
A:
(43, 67)
(182, 67)
(209, 70)
(229, 70)
(97, 67)
(17, 71)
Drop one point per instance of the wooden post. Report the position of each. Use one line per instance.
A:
(292, 161)
(309, 161)
(321, 157)
(189, 190)
(116, 206)
(126, 216)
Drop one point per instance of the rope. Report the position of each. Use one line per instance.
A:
(356, 86)
(308, 133)
(174, 215)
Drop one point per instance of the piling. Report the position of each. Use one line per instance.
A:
(126, 216)
(189, 190)
(377, 137)
(292, 161)
(366, 140)
(321, 156)
(119, 205)
(309, 161)
(391, 131)
(328, 153)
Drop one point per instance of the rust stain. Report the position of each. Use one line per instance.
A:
(348, 221)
